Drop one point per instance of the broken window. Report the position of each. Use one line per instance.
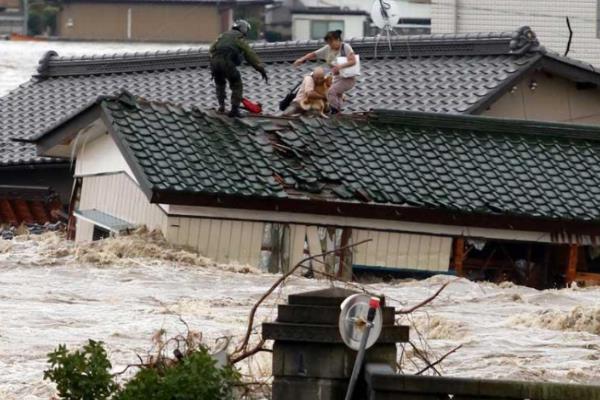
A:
(538, 265)
(100, 233)
(285, 245)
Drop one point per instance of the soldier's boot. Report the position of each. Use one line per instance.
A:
(235, 112)
(221, 98)
(237, 93)
(220, 86)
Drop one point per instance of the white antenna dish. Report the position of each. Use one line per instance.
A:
(354, 320)
(385, 14)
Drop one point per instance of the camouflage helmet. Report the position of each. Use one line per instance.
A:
(242, 25)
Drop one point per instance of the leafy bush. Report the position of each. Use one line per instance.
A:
(35, 23)
(50, 17)
(191, 375)
(82, 374)
(43, 17)
(195, 377)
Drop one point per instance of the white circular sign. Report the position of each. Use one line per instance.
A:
(353, 321)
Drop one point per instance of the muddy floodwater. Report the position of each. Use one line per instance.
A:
(55, 293)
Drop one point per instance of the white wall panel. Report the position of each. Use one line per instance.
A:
(118, 195)
(401, 250)
(545, 17)
(100, 156)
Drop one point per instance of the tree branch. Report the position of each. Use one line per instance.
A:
(278, 282)
(424, 358)
(257, 349)
(432, 365)
(426, 301)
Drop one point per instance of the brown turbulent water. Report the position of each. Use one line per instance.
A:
(53, 292)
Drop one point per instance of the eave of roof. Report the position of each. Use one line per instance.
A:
(438, 216)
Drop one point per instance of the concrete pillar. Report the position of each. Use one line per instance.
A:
(310, 360)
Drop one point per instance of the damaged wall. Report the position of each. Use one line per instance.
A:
(117, 195)
(224, 241)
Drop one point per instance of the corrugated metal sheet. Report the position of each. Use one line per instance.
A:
(401, 250)
(229, 241)
(224, 241)
(118, 195)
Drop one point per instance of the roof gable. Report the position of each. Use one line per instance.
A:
(454, 163)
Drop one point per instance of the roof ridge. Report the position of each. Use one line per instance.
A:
(464, 122)
(517, 42)
(493, 124)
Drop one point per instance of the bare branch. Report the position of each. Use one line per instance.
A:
(432, 365)
(278, 282)
(424, 358)
(258, 348)
(426, 301)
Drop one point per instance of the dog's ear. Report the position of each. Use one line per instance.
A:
(328, 80)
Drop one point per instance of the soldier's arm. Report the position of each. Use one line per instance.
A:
(251, 56)
(213, 47)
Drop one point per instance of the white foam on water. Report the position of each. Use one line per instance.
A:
(56, 292)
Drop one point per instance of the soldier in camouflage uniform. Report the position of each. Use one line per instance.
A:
(226, 54)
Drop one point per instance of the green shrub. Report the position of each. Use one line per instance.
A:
(50, 16)
(81, 374)
(35, 23)
(195, 377)
(85, 375)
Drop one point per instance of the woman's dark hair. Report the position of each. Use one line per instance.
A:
(331, 35)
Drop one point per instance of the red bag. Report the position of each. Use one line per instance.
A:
(254, 108)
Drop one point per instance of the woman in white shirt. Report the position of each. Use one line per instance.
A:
(334, 48)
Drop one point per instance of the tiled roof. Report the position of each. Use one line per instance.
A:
(433, 73)
(457, 163)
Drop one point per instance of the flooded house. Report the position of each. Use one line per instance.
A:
(480, 197)
(62, 117)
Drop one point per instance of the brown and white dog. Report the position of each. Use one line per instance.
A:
(322, 85)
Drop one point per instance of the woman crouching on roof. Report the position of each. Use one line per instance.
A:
(334, 48)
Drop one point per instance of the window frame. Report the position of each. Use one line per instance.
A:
(330, 25)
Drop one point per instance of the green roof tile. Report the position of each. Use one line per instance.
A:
(461, 163)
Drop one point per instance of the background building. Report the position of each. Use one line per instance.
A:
(546, 17)
(148, 20)
(11, 17)
(314, 23)
(280, 16)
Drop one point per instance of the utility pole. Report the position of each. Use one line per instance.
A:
(25, 16)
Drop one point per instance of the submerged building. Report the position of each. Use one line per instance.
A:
(479, 197)
(498, 197)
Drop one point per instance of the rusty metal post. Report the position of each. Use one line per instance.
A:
(571, 274)
(459, 255)
(346, 256)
